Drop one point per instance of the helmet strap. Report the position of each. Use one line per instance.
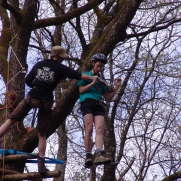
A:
(92, 71)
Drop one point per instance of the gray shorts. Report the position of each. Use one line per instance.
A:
(91, 106)
(44, 112)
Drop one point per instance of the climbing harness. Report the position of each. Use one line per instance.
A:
(96, 102)
(109, 89)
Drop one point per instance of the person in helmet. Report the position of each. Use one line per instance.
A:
(93, 108)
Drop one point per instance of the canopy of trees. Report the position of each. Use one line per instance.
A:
(142, 41)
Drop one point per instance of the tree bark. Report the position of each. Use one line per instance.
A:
(33, 175)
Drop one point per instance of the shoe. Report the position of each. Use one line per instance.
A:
(88, 160)
(100, 158)
(41, 165)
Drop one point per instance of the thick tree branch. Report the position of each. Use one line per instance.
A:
(173, 177)
(4, 43)
(79, 30)
(16, 13)
(77, 27)
(68, 16)
(116, 30)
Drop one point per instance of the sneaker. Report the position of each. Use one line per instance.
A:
(41, 165)
(100, 158)
(88, 160)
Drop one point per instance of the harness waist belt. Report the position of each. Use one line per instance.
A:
(95, 101)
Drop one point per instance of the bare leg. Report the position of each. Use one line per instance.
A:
(99, 125)
(42, 144)
(88, 121)
(100, 156)
(41, 149)
(5, 126)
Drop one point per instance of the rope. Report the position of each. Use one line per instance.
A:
(10, 98)
(17, 58)
(10, 45)
(21, 71)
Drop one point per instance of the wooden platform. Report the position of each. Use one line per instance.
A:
(31, 176)
(7, 174)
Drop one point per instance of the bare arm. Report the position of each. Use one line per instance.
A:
(86, 77)
(109, 95)
(83, 89)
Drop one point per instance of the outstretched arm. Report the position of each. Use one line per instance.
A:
(109, 95)
(86, 77)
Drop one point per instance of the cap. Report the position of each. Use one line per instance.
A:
(60, 51)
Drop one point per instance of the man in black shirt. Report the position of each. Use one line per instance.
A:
(43, 79)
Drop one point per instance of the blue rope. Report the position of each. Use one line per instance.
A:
(15, 152)
(46, 161)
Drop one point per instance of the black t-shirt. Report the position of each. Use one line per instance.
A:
(45, 75)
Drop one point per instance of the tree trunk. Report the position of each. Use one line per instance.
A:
(20, 47)
(62, 151)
